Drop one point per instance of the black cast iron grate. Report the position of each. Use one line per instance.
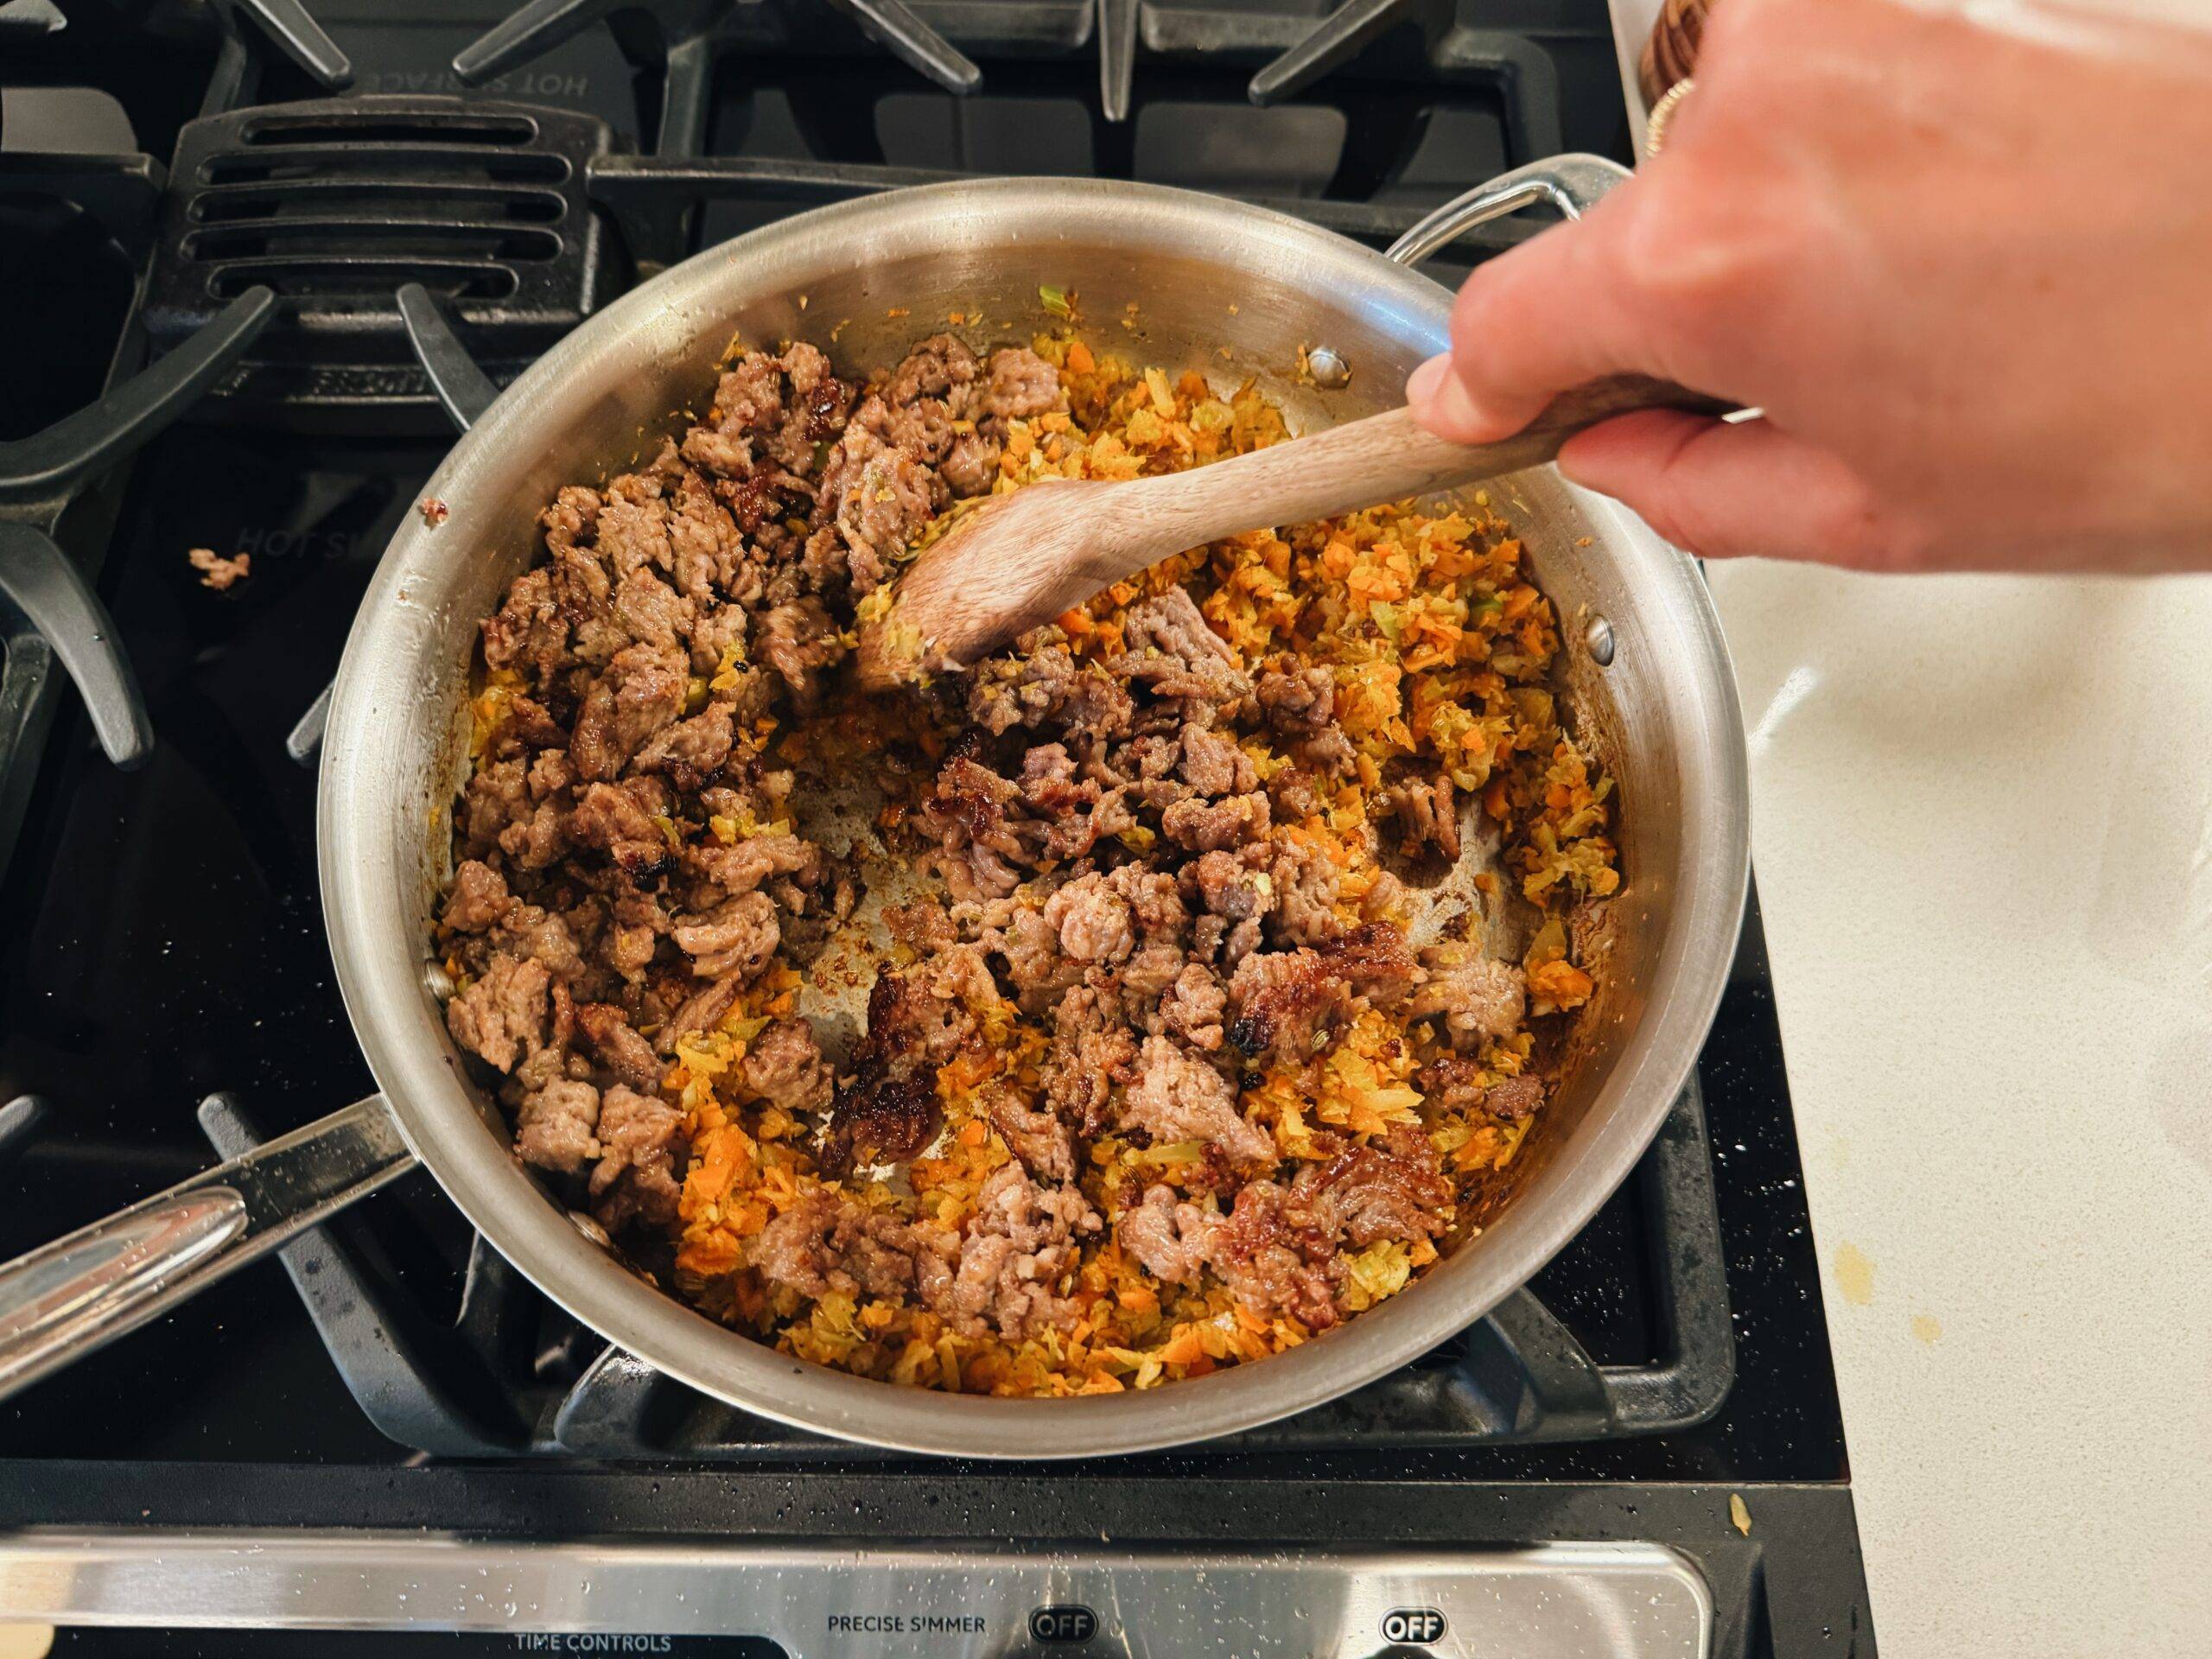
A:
(514, 1376)
(1286, 51)
(1396, 66)
(334, 204)
(681, 40)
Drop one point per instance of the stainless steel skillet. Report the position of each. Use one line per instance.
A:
(1646, 669)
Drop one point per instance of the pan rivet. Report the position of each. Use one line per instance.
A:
(590, 1229)
(1329, 372)
(1598, 637)
(436, 981)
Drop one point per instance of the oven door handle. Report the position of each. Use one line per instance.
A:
(62, 1301)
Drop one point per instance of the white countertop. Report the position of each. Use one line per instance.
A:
(1982, 833)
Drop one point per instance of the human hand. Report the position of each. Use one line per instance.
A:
(1966, 274)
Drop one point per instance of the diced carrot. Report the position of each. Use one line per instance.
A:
(1183, 1348)
(1560, 983)
(1080, 361)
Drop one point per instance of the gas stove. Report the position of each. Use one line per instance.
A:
(211, 215)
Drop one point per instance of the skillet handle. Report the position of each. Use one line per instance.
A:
(1570, 183)
(62, 1301)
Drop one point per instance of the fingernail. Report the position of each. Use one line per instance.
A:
(1574, 460)
(1456, 414)
(1422, 383)
(1440, 399)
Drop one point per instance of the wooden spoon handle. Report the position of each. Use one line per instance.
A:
(1386, 457)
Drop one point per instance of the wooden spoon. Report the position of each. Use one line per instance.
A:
(1023, 558)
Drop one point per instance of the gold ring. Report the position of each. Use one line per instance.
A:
(1662, 114)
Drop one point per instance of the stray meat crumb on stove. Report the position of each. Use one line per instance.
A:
(218, 573)
(1152, 1078)
(435, 511)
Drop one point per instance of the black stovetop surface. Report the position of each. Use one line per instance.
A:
(164, 936)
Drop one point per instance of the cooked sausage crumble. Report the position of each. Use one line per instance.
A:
(1172, 1064)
